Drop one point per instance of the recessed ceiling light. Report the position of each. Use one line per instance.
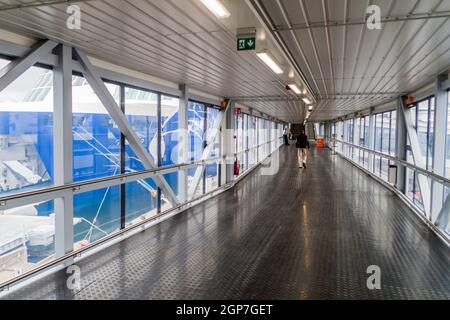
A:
(294, 88)
(306, 100)
(311, 108)
(267, 59)
(216, 7)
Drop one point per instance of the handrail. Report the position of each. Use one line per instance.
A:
(53, 192)
(257, 146)
(85, 186)
(77, 253)
(436, 177)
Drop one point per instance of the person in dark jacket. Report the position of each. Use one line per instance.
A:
(285, 136)
(303, 147)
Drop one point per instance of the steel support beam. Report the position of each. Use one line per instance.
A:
(440, 138)
(340, 135)
(16, 68)
(328, 24)
(228, 142)
(122, 123)
(371, 139)
(400, 145)
(62, 150)
(266, 99)
(419, 159)
(355, 136)
(183, 142)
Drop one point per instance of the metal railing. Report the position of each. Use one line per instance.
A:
(50, 193)
(433, 176)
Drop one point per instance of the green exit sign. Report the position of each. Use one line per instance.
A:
(246, 43)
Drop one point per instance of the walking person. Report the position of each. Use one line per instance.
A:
(285, 136)
(303, 146)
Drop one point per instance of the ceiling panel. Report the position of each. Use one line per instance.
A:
(368, 67)
(180, 41)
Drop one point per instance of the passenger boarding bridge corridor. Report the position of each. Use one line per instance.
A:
(150, 150)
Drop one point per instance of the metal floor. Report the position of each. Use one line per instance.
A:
(296, 235)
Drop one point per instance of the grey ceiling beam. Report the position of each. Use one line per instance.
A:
(122, 123)
(331, 23)
(17, 67)
(265, 98)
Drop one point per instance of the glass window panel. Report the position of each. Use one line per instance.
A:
(196, 122)
(26, 162)
(409, 177)
(378, 131)
(422, 127)
(366, 131)
(417, 194)
(385, 138)
(384, 169)
(27, 239)
(170, 133)
(253, 140)
(96, 138)
(141, 197)
(97, 213)
(26, 132)
(142, 113)
(212, 170)
(141, 201)
(196, 125)
(96, 153)
(245, 143)
(393, 134)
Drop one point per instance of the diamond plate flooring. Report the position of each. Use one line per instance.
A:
(299, 234)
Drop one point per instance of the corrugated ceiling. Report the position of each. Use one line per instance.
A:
(349, 67)
(176, 40)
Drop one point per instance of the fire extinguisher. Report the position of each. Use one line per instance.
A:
(236, 167)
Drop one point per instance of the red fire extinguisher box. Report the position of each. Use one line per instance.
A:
(236, 167)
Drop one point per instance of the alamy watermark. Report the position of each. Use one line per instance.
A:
(374, 280)
(373, 17)
(73, 22)
(74, 279)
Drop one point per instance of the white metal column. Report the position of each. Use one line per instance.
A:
(355, 152)
(371, 139)
(400, 146)
(183, 142)
(228, 141)
(62, 150)
(440, 137)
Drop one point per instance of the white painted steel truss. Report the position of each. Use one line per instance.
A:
(432, 181)
(59, 57)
